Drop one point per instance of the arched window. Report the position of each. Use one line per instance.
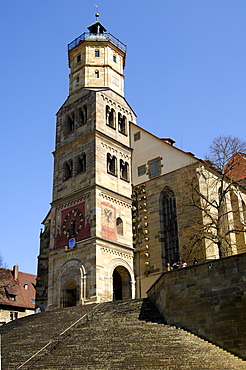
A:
(70, 123)
(119, 226)
(97, 53)
(83, 115)
(68, 170)
(114, 58)
(124, 170)
(121, 123)
(169, 226)
(110, 117)
(81, 163)
(96, 73)
(111, 164)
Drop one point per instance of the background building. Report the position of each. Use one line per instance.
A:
(17, 294)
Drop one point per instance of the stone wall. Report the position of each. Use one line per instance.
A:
(208, 299)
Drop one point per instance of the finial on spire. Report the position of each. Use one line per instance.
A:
(97, 14)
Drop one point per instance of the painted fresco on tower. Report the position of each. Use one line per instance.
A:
(73, 224)
(108, 221)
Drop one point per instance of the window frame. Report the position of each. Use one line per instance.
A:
(81, 162)
(68, 170)
(139, 167)
(111, 161)
(124, 170)
(110, 117)
(137, 136)
(152, 172)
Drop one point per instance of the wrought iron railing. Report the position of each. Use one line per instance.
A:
(97, 37)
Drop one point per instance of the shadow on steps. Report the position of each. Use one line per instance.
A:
(149, 313)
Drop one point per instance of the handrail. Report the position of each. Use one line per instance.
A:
(97, 37)
(35, 354)
(59, 335)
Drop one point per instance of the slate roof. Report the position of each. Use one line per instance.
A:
(21, 289)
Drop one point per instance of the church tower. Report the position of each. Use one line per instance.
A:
(86, 252)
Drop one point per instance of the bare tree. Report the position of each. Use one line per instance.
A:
(2, 262)
(220, 198)
(4, 280)
(222, 151)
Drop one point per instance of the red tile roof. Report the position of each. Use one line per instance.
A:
(22, 289)
(236, 166)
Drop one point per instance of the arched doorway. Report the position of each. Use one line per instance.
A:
(121, 284)
(70, 295)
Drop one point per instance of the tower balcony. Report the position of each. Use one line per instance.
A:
(97, 37)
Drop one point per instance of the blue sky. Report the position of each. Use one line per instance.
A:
(185, 78)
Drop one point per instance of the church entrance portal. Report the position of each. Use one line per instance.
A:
(121, 284)
(70, 295)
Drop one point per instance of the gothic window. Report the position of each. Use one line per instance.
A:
(96, 74)
(81, 163)
(124, 170)
(114, 58)
(169, 226)
(70, 123)
(122, 123)
(68, 170)
(111, 164)
(97, 53)
(223, 218)
(83, 115)
(238, 219)
(119, 226)
(110, 117)
(154, 167)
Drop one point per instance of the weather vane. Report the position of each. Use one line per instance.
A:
(97, 14)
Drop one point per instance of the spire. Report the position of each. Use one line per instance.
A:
(97, 14)
(96, 27)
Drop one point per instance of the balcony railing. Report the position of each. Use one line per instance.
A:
(97, 37)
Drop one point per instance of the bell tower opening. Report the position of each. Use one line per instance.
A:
(121, 284)
(69, 299)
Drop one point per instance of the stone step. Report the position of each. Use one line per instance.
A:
(122, 334)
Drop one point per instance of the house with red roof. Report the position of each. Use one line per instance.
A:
(17, 294)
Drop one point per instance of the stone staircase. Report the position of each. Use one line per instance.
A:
(118, 335)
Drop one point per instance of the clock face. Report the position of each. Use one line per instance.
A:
(72, 223)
